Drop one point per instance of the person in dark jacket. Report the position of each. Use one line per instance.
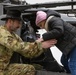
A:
(63, 32)
(64, 62)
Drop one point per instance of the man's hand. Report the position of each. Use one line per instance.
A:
(39, 40)
(49, 43)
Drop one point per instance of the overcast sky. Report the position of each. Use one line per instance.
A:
(47, 1)
(42, 1)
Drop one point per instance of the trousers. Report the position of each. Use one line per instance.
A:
(19, 69)
(72, 61)
(64, 61)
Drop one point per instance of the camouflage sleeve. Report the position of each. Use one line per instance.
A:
(27, 49)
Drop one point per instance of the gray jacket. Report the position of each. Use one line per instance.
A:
(64, 32)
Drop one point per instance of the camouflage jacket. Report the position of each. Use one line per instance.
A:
(10, 42)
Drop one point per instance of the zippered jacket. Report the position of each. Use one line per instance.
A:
(65, 33)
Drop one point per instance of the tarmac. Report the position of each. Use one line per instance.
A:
(50, 73)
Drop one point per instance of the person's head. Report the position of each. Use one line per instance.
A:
(41, 19)
(13, 19)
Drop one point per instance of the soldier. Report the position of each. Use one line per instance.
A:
(10, 42)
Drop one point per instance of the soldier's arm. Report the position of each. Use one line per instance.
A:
(27, 49)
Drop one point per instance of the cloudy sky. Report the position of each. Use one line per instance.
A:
(42, 1)
(47, 1)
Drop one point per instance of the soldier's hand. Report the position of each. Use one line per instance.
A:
(39, 40)
(49, 43)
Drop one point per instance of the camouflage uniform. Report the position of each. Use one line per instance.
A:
(10, 42)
